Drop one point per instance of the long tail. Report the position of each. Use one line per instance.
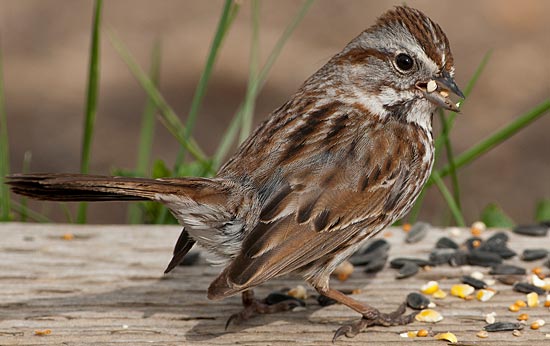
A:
(80, 187)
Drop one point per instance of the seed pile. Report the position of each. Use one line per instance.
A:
(477, 251)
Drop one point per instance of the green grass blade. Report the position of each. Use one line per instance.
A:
(542, 212)
(251, 91)
(450, 159)
(167, 115)
(493, 216)
(5, 201)
(33, 215)
(229, 12)
(91, 101)
(231, 134)
(455, 211)
(147, 132)
(498, 137)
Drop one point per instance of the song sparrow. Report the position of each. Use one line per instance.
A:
(345, 157)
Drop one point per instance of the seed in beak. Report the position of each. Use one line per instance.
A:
(444, 93)
(432, 86)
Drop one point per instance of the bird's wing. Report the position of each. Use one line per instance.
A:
(350, 193)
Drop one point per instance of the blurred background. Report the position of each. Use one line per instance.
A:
(45, 47)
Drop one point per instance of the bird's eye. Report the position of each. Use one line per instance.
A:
(404, 61)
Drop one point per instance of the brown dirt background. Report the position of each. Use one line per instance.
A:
(45, 54)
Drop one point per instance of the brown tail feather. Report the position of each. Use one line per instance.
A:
(80, 187)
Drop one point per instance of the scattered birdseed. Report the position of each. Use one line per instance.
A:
(447, 336)
(484, 295)
(520, 303)
(459, 258)
(325, 301)
(299, 292)
(524, 287)
(439, 294)
(516, 332)
(475, 283)
(277, 297)
(428, 315)
(441, 255)
(408, 270)
(514, 308)
(532, 299)
(541, 283)
(422, 333)
(343, 271)
(406, 227)
(491, 317)
(535, 325)
(490, 282)
(409, 334)
(67, 236)
(541, 322)
(418, 231)
(42, 332)
(531, 230)
(430, 287)
(446, 243)
(503, 326)
(455, 232)
(462, 290)
(398, 262)
(477, 275)
(534, 254)
(432, 86)
(483, 258)
(507, 269)
(523, 317)
(482, 334)
(537, 271)
(124, 326)
(417, 301)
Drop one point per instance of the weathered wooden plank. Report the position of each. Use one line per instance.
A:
(106, 287)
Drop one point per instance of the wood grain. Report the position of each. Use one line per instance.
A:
(106, 287)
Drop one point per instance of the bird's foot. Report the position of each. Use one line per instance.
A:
(375, 318)
(253, 306)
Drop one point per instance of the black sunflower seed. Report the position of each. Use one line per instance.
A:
(446, 243)
(417, 301)
(407, 270)
(376, 265)
(524, 287)
(374, 251)
(503, 326)
(510, 279)
(475, 283)
(397, 263)
(533, 254)
(325, 301)
(507, 269)
(531, 230)
(417, 232)
(441, 256)
(458, 259)
(471, 243)
(483, 258)
(277, 297)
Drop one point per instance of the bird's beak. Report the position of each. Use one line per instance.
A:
(437, 91)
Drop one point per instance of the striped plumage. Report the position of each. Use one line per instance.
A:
(344, 158)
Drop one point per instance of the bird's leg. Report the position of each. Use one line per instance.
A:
(371, 316)
(253, 306)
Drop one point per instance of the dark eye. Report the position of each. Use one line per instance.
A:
(404, 61)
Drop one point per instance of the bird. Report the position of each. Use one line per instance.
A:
(345, 157)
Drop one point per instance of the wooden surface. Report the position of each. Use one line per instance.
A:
(106, 287)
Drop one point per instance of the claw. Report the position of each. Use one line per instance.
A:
(231, 318)
(343, 330)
